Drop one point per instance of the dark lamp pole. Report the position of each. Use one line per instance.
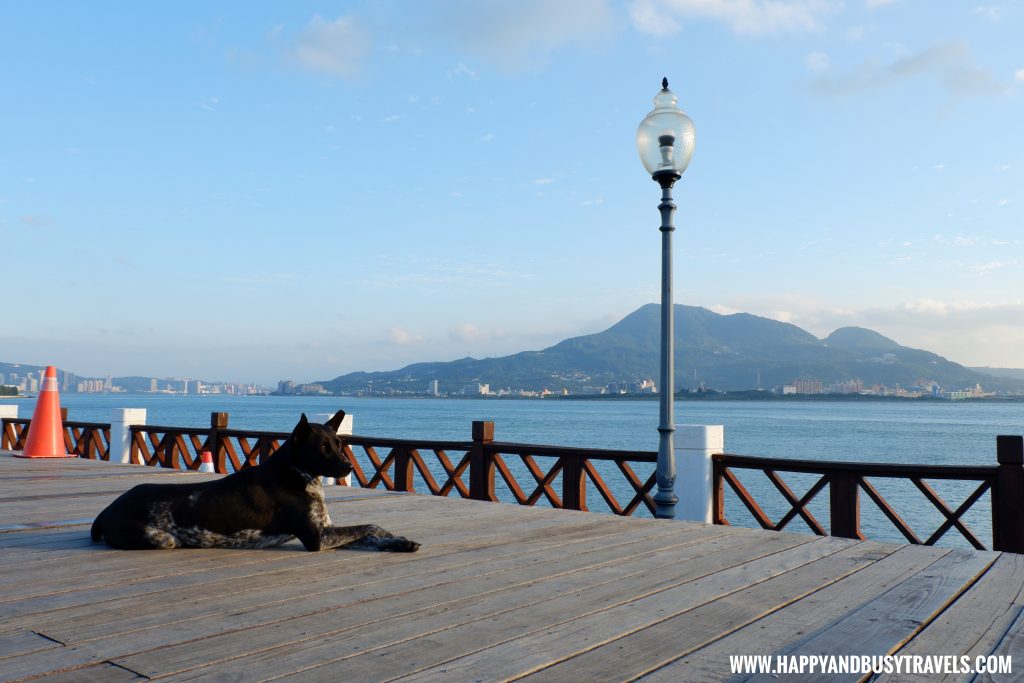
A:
(665, 141)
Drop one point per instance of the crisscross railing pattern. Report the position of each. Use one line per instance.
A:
(577, 470)
(12, 437)
(182, 447)
(441, 470)
(170, 447)
(845, 481)
(84, 439)
(88, 439)
(531, 474)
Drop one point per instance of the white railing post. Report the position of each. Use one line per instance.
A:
(695, 446)
(344, 429)
(121, 422)
(9, 412)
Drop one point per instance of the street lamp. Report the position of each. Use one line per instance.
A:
(665, 141)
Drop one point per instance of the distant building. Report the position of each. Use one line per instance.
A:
(434, 388)
(152, 384)
(286, 387)
(808, 386)
(853, 386)
(476, 389)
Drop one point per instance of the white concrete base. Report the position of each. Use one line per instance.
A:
(344, 429)
(120, 432)
(695, 444)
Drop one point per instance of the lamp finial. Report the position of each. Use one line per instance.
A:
(664, 84)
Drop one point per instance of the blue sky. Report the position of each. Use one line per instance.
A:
(258, 191)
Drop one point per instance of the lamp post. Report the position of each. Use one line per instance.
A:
(665, 141)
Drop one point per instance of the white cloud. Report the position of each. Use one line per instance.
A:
(487, 137)
(751, 17)
(334, 47)
(722, 309)
(402, 337)
(519, 34)
(648, 17)
(1018, 75)
(37, 220)
(856, 33)
(462, 71)
(817, 61)
(875, 4)
(543, 181)
(390, 119)
(990, 12)
(951, 64)
(470, 333)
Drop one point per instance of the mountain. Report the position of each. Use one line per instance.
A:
(726, 352)
(1002, 373)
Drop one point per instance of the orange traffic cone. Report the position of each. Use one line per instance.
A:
(46, 431)
(206, 465)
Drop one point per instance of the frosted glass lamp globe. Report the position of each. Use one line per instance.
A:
(665, 138)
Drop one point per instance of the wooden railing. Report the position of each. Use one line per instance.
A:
(845, 480)
(84, 439)
(555, 475)
(576, 478)
(480, 469)
(182, 447)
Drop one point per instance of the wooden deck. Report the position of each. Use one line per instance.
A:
(497, 592)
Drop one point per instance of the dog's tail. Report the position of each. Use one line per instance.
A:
(97, 527)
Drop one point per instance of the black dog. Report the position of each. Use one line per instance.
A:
(257, 507)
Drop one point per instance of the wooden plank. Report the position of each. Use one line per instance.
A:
(975, 623)
(516, 651)
(96, 673)
(423, 589)
(883, 625)
(260, 575)
(22, 641)
(710, 664)
(444, 595)
(307, 589)
(1012, 646)
(111, 567)
(667, 640)
(200, 637)
(497, 590)
(400, 645)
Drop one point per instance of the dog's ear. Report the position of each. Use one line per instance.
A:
(335, 421)
(302, 430)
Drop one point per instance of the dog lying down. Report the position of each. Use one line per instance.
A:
(257, 507)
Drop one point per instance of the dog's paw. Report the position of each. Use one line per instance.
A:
(400, 544)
